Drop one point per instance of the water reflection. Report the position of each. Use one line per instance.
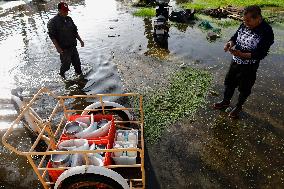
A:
(154, 48)
(182, 27)
(240, 151)
(29, 60)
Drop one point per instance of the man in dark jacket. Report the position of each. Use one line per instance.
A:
(248, 45)
(64, 34)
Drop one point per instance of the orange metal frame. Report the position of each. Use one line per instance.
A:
(45, 132)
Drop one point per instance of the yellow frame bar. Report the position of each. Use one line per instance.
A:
(45, 127)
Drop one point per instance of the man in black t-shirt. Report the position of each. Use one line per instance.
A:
(248, 45)
(64, 34)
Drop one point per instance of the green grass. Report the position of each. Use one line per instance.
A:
(273, 17)
(223, 23)
(205, 4)
(145, 12)
(185, 94)
(268, 13)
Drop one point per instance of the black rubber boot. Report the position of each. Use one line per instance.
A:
(225, 103)
(242, 98)
(235, 112)
(221, 105)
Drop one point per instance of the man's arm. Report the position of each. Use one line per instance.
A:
(58, 48)
(240, 54)
(77, 34)
(81, 41)
(235, 36)
(263, 48)
(52, 35)
(228, 46)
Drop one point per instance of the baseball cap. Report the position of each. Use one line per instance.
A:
(63, 6)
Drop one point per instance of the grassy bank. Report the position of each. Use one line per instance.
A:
(270, 17)
(145, 12)
(185, 94)
(220, 23)
(205, 4)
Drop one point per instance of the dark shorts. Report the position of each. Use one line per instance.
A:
(242, 76)
(70, 56)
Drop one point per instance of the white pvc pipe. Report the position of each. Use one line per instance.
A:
(98, 105)
(31, 124)
(80, 170)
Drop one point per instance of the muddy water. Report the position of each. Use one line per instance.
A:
(120, 55)
(217, 152)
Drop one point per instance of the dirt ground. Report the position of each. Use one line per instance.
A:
(215, 151)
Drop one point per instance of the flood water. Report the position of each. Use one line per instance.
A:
(120, 55)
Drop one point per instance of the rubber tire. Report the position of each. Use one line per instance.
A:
(79, 178)
(120, 113)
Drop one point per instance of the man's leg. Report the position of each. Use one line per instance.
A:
(76, 61)
(230, 85)
(245, 88)
(247, 81)
(65, 62)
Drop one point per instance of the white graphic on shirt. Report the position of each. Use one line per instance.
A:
(247, 40)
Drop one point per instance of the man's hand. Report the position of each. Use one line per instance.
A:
(240, 54)
(82, 43)
(58, 48)
(228, 46)
(235, 52)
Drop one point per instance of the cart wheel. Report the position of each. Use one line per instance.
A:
(119, 114)
(89, 180)
(90, 176)
(123, 115)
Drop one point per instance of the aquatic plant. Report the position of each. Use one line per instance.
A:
(145, 12)
(273, 16)
(184, 95)
(224, 23)
(204, 4)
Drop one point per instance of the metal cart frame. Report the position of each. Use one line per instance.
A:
(45, 132)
